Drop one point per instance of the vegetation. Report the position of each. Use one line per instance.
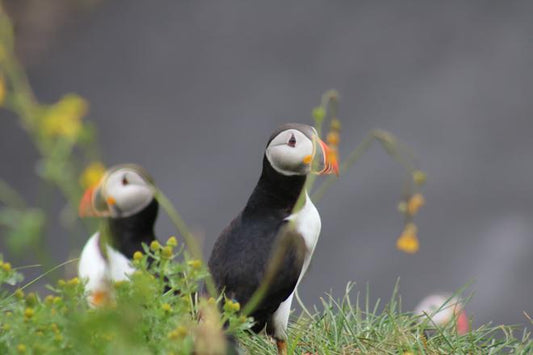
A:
(161, 310)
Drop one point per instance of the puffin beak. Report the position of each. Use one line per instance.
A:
(462, 323)
(93, 203)
(327, 162)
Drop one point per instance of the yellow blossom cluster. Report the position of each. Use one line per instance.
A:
(63, 119)
(92, 174)
(179, 332)
(172, 242)
(408, 241)
(5, 266)
(166, 307)
(333, 139)
(137, 256)
(415, 203)
(166, 252)
(195, 264)
(232, 306)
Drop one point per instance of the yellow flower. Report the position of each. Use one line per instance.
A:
(2, 89)
(49, 299)
(178, 333)
(211, 301)
(319, 113)
(92, 174)
(137, 256)
(419, 177)
(166, 252)
(414, 204)
(172, 242)
(155, 245)
(63, 119)
(19, 293)
(333, 138)
(195, 264)
(166, 307)
(73, 281)
(408, 241)
(28, 313)
(232, 306)
(335, 124)
(21, 348)
(31, 299)
(6, 267)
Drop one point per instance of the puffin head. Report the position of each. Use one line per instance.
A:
(442, 309)
(123, 191)
(296, 149)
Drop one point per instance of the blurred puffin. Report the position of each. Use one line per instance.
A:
(443, 309)
(242, 253)
(124, 198)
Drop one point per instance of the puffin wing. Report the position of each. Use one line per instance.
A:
(285, 265)
(244, 257)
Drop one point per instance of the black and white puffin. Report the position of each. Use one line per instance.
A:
(124, 198)
(442, 309)
(242, 252)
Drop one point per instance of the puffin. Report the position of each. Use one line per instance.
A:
(124, 199)
(243, 252)
(443, 309)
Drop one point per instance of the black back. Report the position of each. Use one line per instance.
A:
(127, 234)
(242, 252)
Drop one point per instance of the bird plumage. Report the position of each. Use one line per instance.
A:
(235, 264)
(124, 200)
(269, 228)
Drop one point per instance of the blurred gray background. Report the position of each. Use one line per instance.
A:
(192, 90)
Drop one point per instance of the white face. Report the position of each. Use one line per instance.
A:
(126, 192)
(433, 303)
(291, 152)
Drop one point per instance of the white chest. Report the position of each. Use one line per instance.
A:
(307, 223)
(98, 271)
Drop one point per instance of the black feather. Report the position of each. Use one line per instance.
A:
(241, 255)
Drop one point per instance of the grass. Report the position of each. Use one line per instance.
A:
(142, 318)
(160, 310)
(353, 326)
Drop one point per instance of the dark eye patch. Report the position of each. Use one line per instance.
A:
(125, 180)
(292, 141)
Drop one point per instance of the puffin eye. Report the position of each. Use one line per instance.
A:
(125, 180)
(292, 141)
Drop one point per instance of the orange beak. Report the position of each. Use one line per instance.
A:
(328, 161)
(92, 203)
(463, 325)
(86, 208)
